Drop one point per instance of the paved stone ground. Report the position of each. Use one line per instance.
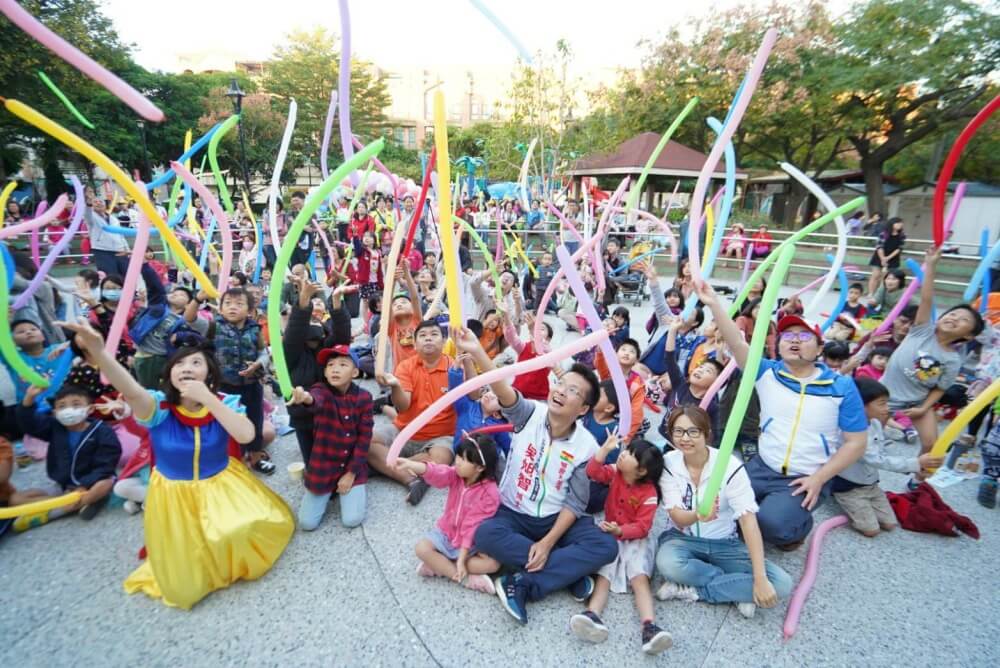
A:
(351, 597)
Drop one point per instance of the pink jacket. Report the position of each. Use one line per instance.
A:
(466, 507)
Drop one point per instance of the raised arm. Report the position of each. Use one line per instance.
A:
(467, 342)
(731, 334)
(135, 395)
(927, 287)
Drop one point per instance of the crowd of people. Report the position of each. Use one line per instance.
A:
(546, 488)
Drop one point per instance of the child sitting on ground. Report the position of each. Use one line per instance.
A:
(856, 488)
(629, 513)
(83, 453)
(853, 307)
(342, 432)
(628, 356)
(475, 410)
(602, 421)
(447, 550)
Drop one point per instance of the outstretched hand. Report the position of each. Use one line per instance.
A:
(86, 337)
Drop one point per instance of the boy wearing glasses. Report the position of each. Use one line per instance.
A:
(812, 425)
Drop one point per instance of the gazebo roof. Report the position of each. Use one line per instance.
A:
(631, 155)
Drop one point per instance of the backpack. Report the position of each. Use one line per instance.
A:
(146, 322)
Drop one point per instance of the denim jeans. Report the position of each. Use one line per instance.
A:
(719, 569)
(352, 508)
(781, 517)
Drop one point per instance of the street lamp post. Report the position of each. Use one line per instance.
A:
(236, 95)
(145, 151)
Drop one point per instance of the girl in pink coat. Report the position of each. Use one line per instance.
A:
(447, 550)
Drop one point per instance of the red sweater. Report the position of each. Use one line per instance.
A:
(632, 507)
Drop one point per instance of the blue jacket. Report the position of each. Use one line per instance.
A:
(469, 415)
(95, 459)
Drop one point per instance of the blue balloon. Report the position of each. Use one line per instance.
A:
(639, 258)
(197, 146)
(984, 243)
(8, 262)
(983, 268)
(260, 254)
(153, 231)
(63, 366)
(204, 247)
(844, 287)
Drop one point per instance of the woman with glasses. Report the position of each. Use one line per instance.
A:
(702, 556)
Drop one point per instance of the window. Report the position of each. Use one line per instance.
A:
(399, 135)
(411, 138)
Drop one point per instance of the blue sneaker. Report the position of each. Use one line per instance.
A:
(514, 596)
(582, 588)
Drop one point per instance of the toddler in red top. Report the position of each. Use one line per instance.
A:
(628, 514)
(447, 550)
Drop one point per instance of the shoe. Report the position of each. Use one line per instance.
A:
(894, 434)
(791, 547)
(671, 591)
(25, 522)
(587, 626)
(265, 465)
(912, 485)
(655, 639)
(746, 609)
(513, 595)
(582, 589)
(911, 436)
(132, 508)
(480, 583)
(88, 513)
(417, 490)
(987, 496)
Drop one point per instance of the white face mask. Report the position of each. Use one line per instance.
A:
(68, 417)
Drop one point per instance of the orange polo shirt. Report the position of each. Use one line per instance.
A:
(425, 387)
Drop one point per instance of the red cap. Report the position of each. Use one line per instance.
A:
(340, 351)
(795, 320)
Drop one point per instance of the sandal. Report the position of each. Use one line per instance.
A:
(265, 465)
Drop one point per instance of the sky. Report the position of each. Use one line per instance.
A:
(402, 32)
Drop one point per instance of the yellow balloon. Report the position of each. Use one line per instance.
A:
(709, 228)
(953, 430)
(50, 127)
(444, 208)
(39, 506)
(4, 196)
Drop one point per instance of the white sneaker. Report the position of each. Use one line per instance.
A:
(671, 591)
(746, 609)
(131, 507)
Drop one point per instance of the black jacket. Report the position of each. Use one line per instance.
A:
(96, 459)
(303, 368)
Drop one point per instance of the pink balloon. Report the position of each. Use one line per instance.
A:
(57, 250)
(568, 224)
(120, 320)
(77, 59)
(701, 186)
(593, 242)
(809, 574)
(714, 388)
(541, 362)
(915, 283)
(220, 217)
(35, 223)
(694, 236)
(589, 312)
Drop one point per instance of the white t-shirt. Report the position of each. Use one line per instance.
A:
(736, 495)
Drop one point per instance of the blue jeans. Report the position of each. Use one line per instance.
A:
(718, 569)
(582, 550)
(781, 517)
(352, 508)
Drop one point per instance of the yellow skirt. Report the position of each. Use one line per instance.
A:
(203, 535)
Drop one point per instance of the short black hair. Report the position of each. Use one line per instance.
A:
(719, 366)
(425, 324)
(92, 277)
(622, 312)
(238, 292)
(548, 329)
(187, 290)
(884, 351)
(112, 278)
(909, 312)
(837, 350)
(588, 375)
(70, 390)
(979, 324)
(856, 286)
(171, 394)
(475, 327)
(633, 343)
(299, 194)
(609, 390)
(870, 389)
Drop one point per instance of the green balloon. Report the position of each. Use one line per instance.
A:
(855, 203)
(484, 249)
(213, 160)
(633, 197)
(285, 255)
(757, 341)
(7, 345)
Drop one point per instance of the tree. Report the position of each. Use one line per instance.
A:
(908, 69)
(306, 68)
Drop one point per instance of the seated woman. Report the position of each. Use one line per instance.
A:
(735, 245)
(701, 556)
(760, 243)
(209, 522)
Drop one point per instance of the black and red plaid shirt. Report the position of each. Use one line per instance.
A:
(342, 429)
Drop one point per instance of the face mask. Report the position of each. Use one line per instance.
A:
(247, 245)
(111, 295)
(68, 417)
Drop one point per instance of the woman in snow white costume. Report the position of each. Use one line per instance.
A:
(208, 521)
